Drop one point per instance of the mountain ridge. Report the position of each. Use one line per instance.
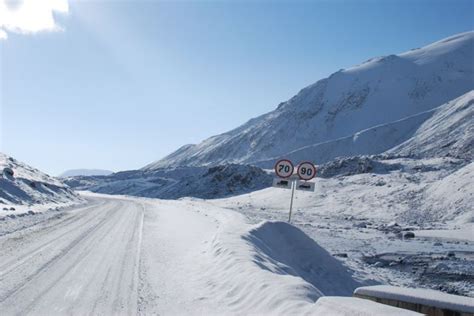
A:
(378, 91)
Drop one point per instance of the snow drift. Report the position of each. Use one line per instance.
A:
(272, 266)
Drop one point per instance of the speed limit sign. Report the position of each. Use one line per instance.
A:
(284, 168)
(306, 170)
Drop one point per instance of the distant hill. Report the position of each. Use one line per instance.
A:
(173, 183)
(85, 172)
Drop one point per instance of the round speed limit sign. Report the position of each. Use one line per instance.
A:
(306, 170)
(284, 168)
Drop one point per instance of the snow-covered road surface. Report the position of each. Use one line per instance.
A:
(127, 256)
(84, 262)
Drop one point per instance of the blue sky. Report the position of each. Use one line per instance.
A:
(123, 83)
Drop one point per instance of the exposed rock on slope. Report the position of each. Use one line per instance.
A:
(22, 184)
(179, 182)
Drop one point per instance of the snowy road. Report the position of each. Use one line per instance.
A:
(117, 255)
(133, 256)
(84, 262)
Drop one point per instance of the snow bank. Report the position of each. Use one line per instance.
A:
(272, 267)
(420, 296)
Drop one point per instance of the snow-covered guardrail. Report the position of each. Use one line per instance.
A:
(428, 302)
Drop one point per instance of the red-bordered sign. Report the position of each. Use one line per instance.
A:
(284, 168)
(306, 170)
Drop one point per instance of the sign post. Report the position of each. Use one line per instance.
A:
(286, 180)
(293, 185)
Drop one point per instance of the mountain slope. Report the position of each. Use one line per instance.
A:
(443, 131)
(22, 184)
(378, 91)
(450, 131)
(452, 197)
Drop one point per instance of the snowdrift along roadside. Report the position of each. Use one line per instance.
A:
(198, 258)
(271, 267)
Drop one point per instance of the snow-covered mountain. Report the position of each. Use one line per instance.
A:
(418, 129)
(85, 172)
(396, 89)
(449, 132)
(21, 184)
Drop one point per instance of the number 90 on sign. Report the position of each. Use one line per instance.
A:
(284, 168)
(306, 171)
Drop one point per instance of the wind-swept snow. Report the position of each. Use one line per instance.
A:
(269, 268)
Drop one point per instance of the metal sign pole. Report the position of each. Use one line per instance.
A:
(293, 185)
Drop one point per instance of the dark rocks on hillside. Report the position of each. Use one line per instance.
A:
(172, 183)
(8, 172)
(354, 165)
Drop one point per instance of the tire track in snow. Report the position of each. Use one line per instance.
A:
(94, 271)
(64, 252)
(136, 277)
(14, 263)
(83, 255)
